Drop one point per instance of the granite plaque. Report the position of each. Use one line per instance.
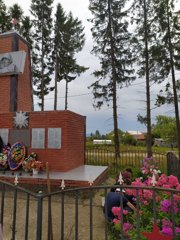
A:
(22, 136)
(54, 138)
(4, 133)
(38, 138)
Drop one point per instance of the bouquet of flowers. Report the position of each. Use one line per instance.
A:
(3, 161)
(4, 157)
(29, 162)
(37, 165)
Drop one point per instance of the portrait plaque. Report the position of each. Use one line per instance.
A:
(4, 133)
(54, 138)
(12, 62)
(38, 138)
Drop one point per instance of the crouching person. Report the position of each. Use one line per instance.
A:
(113, 199)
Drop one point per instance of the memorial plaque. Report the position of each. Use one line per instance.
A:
(38, 138)
(54, 138)
(19, 135)
(4, 133)
(12, 62)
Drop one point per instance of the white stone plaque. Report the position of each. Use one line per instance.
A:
(12, 62)
(54, 138)
(38, 138)
(4, 133)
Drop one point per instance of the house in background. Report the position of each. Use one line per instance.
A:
(139, 136)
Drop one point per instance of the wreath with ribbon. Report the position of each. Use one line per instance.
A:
(16, 155)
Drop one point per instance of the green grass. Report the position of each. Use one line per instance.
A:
(129, 147)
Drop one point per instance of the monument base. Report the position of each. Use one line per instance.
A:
(81, 176)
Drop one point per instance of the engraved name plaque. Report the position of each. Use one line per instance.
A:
(38, 138)
(54, 138)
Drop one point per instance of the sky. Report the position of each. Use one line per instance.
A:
(131, 101)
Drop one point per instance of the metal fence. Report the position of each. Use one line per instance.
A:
(71, 214)
(130, 158)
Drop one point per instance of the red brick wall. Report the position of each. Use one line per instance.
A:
(5, 46)
(24, 101)
(24, 82)
(72, 125)
(4, 94)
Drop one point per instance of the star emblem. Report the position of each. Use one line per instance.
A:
(20, 120)
(155, 234)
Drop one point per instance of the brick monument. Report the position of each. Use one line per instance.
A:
(58, 137)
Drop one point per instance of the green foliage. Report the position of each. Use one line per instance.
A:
(26, 29)
(42, 63)
(168, 57)
(165, 128)
(4, 18)
(110, 24)
(111, 44)
(68, 40)
(128, 139)
(16, 12)
(142, 119)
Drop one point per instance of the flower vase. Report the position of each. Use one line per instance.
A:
(35, 171)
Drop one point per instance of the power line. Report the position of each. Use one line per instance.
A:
(77, 95)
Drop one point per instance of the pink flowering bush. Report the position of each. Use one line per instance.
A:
(149, 167)
(152, 177)
(166, 206)
(167, 227)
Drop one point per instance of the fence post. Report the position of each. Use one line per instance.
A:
(173, 165)
(14, 214)
(39, 216)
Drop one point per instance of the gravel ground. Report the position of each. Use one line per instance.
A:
(69, 213)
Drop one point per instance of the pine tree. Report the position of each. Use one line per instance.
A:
(23, 23)
(168, 56)
(111, 35)
(59, 50)
(42, 62)
(16, 13)
(144, 42)
(69, 39)
(5, 21)
(26, 29)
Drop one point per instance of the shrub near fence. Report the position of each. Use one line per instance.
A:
(131, 158)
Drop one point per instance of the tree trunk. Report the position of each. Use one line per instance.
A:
(42, 88)
(148, 100)
(66, 95)
(176, 107)
(42, 75)
(115, 116)
(55, 85)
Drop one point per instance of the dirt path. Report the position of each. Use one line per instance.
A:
(69, 217)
